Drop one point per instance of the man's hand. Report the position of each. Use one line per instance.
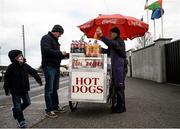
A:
(64, 53)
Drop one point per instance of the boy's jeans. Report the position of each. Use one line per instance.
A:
(20, 102)
(52, 85)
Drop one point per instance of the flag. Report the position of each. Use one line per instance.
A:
(155, 5)
(157, 13)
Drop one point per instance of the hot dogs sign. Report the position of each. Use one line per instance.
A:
(88, 86)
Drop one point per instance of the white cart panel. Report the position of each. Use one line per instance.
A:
(88, 78)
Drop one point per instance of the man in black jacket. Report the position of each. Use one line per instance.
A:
(16, 82)
(116, 50)
(51, 59)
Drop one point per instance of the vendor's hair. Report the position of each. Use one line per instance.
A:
(115, 30)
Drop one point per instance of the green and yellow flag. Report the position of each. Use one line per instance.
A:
(155, 5)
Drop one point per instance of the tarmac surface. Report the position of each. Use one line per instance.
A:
(149, 105)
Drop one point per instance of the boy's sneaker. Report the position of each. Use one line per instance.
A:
(22, 124)
(51, 114)
(60, 110)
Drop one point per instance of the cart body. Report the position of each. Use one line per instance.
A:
(88, 78)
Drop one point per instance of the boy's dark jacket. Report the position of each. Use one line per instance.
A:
(16, 79)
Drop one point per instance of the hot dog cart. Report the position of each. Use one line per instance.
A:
(89, 81)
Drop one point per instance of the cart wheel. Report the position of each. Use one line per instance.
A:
(73, 105)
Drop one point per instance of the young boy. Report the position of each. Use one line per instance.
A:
(16, 82)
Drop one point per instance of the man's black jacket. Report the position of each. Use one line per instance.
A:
(50, 50)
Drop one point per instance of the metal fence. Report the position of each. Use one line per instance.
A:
(173, 62)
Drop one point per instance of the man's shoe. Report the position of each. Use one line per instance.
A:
(60, 110)
(51, 114)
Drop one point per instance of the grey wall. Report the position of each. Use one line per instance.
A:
(149, 63)
(143, 63)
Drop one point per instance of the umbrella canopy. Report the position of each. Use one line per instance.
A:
(129, 27)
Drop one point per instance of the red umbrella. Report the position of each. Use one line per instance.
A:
(130, 27)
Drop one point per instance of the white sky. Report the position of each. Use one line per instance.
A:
(39, 16)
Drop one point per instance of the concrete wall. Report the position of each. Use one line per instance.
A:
(149, 62)
(143, 63)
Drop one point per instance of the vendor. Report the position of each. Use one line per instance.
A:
(116, 50)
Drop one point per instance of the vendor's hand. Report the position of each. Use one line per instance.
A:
(99, 33)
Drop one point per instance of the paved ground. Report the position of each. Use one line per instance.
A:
(149, 104)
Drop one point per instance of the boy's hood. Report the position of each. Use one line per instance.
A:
(13, 54)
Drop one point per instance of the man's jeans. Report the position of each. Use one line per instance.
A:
(52, 85)
(20, 106)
